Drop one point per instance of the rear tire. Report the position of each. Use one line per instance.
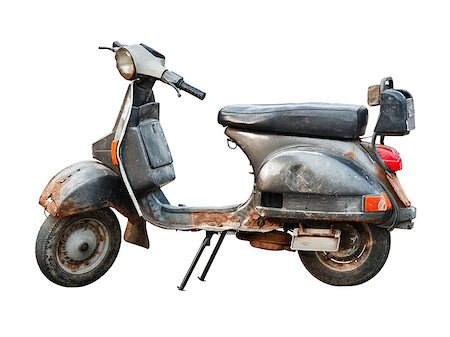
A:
(78, 250)
(363, 250)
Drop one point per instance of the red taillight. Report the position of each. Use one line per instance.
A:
(390, 157)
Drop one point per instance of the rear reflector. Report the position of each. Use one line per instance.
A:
(377, 203)
(390, 157)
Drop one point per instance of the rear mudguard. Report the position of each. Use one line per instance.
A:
(88, 186)
(317, 184)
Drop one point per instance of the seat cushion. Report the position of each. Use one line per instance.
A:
(301, 119)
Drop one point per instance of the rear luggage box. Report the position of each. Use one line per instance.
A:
(396, 113)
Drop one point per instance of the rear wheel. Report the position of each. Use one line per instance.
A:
(78, 250)
(363, 250)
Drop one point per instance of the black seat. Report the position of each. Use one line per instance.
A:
(301, 119)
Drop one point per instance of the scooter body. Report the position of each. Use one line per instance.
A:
(315, 181)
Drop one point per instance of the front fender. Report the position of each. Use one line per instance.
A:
(88, 186)
(79, 188)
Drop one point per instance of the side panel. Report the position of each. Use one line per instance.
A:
(303, 183)
(304, 178)
(307, 171)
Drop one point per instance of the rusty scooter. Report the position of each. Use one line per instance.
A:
(319, 190)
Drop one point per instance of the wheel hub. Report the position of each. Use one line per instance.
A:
(82, 246)
(355, 246)
(350, 246)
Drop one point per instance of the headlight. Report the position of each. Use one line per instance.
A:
(125, 64)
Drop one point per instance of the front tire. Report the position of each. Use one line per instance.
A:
(363, 250)
(78, 250)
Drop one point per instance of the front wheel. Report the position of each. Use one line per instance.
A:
(77, 250)
(363, 250)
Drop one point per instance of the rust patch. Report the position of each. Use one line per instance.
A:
(68, 208)
(270, 241)
(48, 196)
(273, 237)
(137, 233)
(256, 221)
(373, 95)
(50, 206)
(216, 219)
(380, 173)
(383, 176)
(350, 154)
(395, 183)
(49, 199)
(267, 245)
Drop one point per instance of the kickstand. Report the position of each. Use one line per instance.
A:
(213, 255)
(206, 242)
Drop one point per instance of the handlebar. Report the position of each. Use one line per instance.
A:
(157, 61)
(191, 90)
(177, 82)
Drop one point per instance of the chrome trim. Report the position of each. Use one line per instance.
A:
(125, 113)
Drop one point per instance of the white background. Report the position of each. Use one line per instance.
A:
(59, 93)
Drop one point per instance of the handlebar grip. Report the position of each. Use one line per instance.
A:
(192, 90)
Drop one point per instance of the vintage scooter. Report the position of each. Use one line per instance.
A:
(318, 189)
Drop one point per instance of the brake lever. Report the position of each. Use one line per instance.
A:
(175, 87)
(172, 79)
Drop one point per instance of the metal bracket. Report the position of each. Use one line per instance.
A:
(229, 142)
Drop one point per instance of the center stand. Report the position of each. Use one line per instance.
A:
(206, 242)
